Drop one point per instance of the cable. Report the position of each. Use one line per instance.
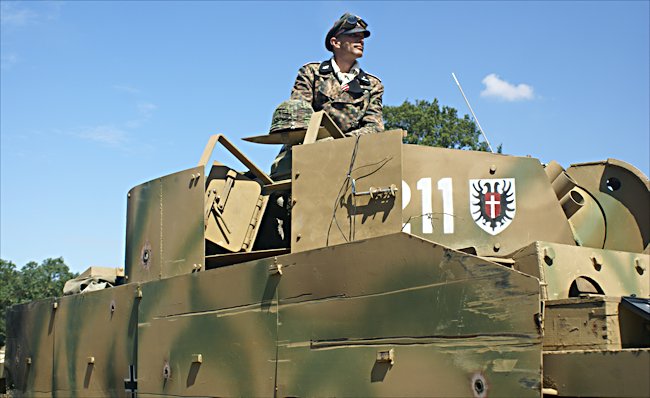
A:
(345, 185)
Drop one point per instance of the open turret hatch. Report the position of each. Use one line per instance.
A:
(233, 207)
(235, 202)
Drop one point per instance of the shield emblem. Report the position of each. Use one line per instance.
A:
(492, 203)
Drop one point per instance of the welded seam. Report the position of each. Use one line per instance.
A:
(236, 310)
(500, 340)
(160, 252)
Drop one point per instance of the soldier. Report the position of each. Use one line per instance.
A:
(350, 96)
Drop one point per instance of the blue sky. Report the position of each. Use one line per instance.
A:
(97, 97)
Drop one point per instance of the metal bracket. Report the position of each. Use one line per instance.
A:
(218, 201)
(376, 193)
(223, 198)
(386, 357)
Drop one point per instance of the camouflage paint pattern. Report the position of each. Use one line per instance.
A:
(233, 206)
(291, 115)
(165, 229)
(30, 344)
(538, 214)
(223, 315)
(558, 266)
(597, 373)
(588, 224)
(448, 316)
(623, 194)
(354, 113)
(582, 323)
(95, 339)
(329, 313)
(82, 348)
(420, 195)
(325, 211)
(378, 311)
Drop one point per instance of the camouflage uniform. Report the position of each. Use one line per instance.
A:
(356, 111)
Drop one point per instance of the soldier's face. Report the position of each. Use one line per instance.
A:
(349, 45)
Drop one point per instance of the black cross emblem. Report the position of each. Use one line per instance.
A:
(131, 384)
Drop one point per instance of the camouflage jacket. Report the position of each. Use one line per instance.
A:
(356, 111)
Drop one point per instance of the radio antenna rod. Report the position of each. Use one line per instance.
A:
(470, 109)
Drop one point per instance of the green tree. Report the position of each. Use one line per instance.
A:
(429, 124)
(9, 277)
(32, 282)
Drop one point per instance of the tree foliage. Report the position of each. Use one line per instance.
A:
(32, 282)
(429, 124)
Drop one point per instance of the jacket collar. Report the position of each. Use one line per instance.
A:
(360, 82)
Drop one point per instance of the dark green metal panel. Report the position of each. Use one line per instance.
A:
(227, 315)
(450, 318)
(164, 233)
(30, 344)
(95, 342)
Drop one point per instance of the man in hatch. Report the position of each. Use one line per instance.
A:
(350, 96)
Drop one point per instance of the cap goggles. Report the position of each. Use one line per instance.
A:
(350, 23)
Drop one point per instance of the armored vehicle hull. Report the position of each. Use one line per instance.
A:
(377, 269)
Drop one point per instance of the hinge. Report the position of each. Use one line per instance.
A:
(252, 226)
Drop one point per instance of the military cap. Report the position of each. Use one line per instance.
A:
(291, 115)
(346, 25)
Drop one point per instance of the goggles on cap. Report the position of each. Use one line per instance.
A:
(351, 22)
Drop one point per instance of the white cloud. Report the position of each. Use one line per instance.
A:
(145, 110)
(8, 60)
(501, 89)
(16, 14)
(126, 88)
(118, 134)
(104, 134)
(10, 15)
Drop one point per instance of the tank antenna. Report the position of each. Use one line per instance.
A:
(470, 109)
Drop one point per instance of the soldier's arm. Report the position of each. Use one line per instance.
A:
(372, 121)
(303, 88)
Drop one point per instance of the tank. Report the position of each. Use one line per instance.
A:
(377, 269)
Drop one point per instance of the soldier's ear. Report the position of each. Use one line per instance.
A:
(334, 42)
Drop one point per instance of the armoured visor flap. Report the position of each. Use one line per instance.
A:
(233, 204)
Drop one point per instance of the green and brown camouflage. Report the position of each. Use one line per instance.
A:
(291, 115)
(354, 113)
(406, 271)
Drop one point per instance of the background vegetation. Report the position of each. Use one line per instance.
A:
(32, 282)
(427, 123)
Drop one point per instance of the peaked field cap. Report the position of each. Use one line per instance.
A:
(347, 24)
(291, 115)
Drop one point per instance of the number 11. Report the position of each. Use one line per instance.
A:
(424, 185)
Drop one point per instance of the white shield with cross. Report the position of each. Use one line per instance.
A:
(492, 203)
